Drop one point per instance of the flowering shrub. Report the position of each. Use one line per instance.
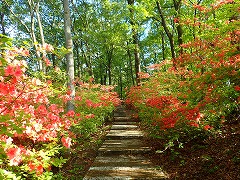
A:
(194, 98)
(34, 127)
(95, 103)
(30, 124)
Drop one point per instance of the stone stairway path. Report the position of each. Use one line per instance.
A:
(121, 156)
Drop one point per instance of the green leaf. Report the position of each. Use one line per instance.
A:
(58, 162)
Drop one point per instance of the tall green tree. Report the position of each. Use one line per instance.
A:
(135, 38)
(69, 55)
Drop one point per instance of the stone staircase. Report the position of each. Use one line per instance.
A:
(121, 156)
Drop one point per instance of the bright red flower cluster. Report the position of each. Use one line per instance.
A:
(32, 126)
(28, 117)
(14, 155)
(66, 142)
(162, 102)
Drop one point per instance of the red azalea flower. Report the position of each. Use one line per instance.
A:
(207, 127)
(66, 142)
(71, 113)
(31, 166)
(47, 62)
(12, 152)
(18, 71)
(237, 88)
(9, 70)
(90, 116)
(39, 169)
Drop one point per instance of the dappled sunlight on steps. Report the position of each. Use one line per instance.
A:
(121, 156)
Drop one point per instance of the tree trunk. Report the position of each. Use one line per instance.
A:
(2, 23)
(78, 61)
(169, 34)
(34, 39)
(32, 34)
(130, 65)
(69, 56)
(41, 34)
(121, 83)
(105, 77)
(163, 46)
(101, 73)
(109, 65)
(135, 42)
(177, 6)
(54, 60)
(87, 58)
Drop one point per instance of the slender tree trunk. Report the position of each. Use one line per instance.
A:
(194, 19)
(34, 39)
(78, 64)
(69, 56)
(3, 30)
(31, 30)
(89, 65)
(135, 41)
(163, 46)
(137, 64)
(105, 77)
(2, 23)
(109, 65)
(101, 73)
(40, 24)
(41, 34)
(177, 6)
(32, 33)
(109, 73)
(167, 31)
(121, 83)
(54, 60)
(130, 65)
(87, 59)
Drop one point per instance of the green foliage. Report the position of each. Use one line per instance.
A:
(190, 102)
(35, 130)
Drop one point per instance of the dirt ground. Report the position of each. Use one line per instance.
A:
(216, 158)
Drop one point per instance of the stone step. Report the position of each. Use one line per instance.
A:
(121, 154)
(122, 161)
(124, 134)
(124, 173)
(119, 115)
(124, 118)
(123, 167)
(123, 146)
(125, 123)
(123, 127)
(120, 109)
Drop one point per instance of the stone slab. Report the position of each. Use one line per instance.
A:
(124, 146)
(125, 123)
(124, 134)
(120, 115)
(121, 154)
(123, 127)
(122, 161)
(122, 118)
(124, 173)
(123, 167)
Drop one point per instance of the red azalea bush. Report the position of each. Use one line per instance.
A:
(30, 124)
(35, 128)
(95, 103)
(195, 97)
